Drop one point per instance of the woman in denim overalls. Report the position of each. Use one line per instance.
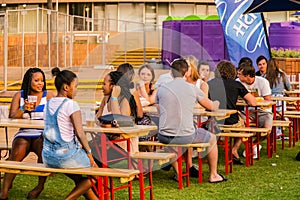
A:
(65, 143)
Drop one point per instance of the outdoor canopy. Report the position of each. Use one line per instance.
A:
(273, 5)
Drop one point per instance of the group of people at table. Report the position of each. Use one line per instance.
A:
(63, 143)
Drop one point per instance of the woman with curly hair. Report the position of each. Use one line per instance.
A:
(226, 90)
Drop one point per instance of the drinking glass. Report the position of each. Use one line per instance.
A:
(31, 99)
(90, 116)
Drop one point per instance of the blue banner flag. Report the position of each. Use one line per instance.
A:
(245, 34)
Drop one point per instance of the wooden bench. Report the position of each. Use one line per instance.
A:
(38, 169)
(180, 153)
(260, 132)
(150, 157)
(284, 124)
(295, 135)
(228, 144)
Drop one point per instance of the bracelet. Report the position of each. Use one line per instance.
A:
(89, 151)
(114, 98)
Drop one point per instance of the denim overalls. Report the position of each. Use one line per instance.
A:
(56, 152)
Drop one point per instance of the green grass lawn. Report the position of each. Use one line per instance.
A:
(260, 181)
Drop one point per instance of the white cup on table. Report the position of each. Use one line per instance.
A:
(293, 78)
(4, 112)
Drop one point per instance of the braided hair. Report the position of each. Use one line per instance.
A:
(26, 84)
(117, 78)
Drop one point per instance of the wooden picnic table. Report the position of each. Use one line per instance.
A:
(263, 104)
(291, 100)
(125, 132)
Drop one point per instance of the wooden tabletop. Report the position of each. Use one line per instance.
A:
(288, 99)
(199, 111)
(292, 92)
(217, 113)
(137, 130)
(153, 108)
(22, 123)
(126, 132)
(262, 103)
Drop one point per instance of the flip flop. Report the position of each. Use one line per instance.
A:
(223, 179)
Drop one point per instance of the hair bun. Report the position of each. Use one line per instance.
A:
(131, 85)
(55, 71)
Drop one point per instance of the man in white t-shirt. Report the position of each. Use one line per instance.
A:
(260, 86)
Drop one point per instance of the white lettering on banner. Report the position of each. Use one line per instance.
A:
(239, 28)
(244, 21)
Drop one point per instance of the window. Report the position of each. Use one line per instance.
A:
(182, 10)
(80, 9)
(131, 16)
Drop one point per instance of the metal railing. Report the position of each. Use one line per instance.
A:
(47, 38)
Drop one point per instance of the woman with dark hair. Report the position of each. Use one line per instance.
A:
(277, 78)
(278, 83)
(28, 140)
(65, 143)
(119, 100)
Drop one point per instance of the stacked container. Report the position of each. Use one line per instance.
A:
(284, 35)
(201, 36)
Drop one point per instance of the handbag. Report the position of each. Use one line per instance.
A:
(116, 120)
(145, 120)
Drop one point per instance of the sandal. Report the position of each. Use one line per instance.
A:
(223, 179)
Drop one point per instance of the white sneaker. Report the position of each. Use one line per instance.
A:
(255, 151)
(195, 154)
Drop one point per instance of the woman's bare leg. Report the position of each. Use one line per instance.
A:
(20, 149)
(37, 147)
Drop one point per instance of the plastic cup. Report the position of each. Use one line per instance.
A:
(31, 99)
(88, 116)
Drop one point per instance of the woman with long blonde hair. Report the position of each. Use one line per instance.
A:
(193, 76)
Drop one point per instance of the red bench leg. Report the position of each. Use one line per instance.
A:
(200, 167)
(179, 161)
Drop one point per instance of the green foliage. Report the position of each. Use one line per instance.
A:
(285, 53)
(262, 181)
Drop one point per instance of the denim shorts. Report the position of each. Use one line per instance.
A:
(70, 155)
